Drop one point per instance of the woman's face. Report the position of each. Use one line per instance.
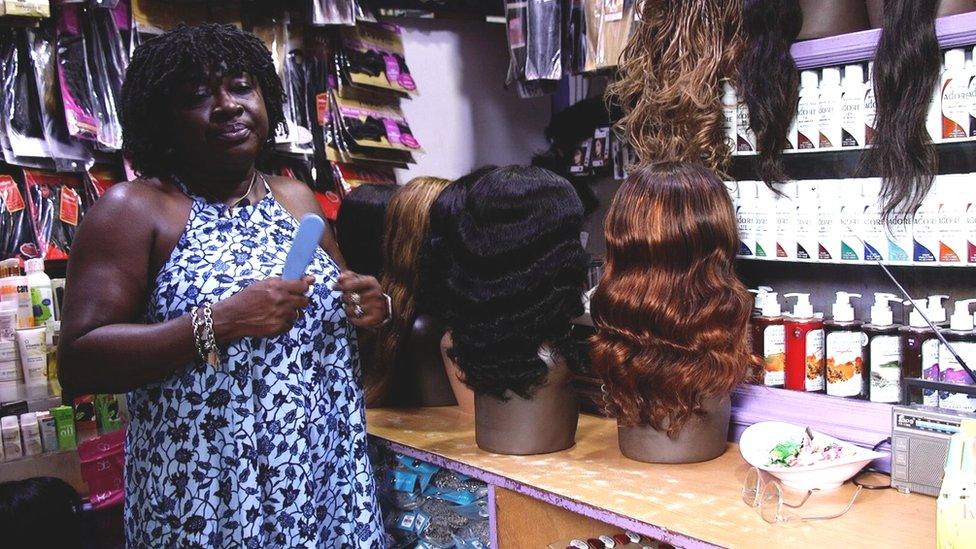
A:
(578, 156)
(219, 124)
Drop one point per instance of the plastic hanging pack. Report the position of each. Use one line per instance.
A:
(74, 75)
(608, 27)
(22, 117)
(56, 210)
(544, 40)
(108, 57)
(333, 12)
(16, 235)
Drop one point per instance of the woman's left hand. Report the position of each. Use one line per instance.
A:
(363, 300)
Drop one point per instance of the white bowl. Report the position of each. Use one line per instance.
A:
(758, 439)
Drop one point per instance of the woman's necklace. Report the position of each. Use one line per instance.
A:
(229, 211)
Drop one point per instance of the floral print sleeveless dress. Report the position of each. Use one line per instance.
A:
(269, 448)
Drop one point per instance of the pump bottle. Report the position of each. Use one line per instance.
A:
(769, 339)
(936, 310)
(846, 371)
(884, 359)
(804, 347)
(913, 352)
(962, 338)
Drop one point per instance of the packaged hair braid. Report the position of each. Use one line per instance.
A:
(668, 81)
(350, 176)
(372, 56)
(108, 58)
(16, 234)
(359, 139)
(99, 179)
(372, 124)
(74, 75)
(608, 27)
(574, 37)
(55, 210)
(333, 12)
(535, 46)
(22, 117)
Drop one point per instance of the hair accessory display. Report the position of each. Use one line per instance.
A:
(768, 77)
(670, 311)
(515, 271)
(668, 81)
(906, 73)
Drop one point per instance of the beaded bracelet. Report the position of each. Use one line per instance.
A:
(203, 334)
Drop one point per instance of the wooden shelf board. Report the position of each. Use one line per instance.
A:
(690, 505)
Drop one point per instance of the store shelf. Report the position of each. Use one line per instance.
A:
(690, 505)
(952, 31)
(859, 262)
(64, 465)
(841, 150)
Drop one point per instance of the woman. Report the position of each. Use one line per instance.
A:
(247, 424)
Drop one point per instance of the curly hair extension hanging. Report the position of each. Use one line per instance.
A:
(670, 311)
(406, 227)
(906, 74)
(769, 80)
(515, 275)
(668, 81)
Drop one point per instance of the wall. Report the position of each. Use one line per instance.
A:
(464, 117)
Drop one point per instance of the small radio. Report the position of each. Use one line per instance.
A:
(919, 444)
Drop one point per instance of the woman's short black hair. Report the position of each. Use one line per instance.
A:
(187, 54)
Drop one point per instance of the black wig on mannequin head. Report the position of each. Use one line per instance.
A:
(432, 256)
(359, 227)
(515, 273)
(43, 512)
(906, 73)
(768, 77)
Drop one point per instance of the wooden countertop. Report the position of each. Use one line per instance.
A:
(688, 505)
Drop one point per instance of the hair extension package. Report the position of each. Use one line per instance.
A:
(608, 26)
(16, 235)
(535, 45)
(372, 56)
(333, 12)
(55, 209)
(108, 57)
(74, 75)
(372, 132)
(350, 176)
(23, 125)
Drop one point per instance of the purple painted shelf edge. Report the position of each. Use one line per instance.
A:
(495, 480)
(953, 31)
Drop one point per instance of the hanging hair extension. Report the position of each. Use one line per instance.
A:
(359, 227)
(405, 229)
(906, 73)
(668, 78)
(670, 311)
(768, 78)
(515, 274)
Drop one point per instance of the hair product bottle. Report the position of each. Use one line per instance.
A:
(874, 232)
(807, 224)
(42, 295)
(960, 335)
(31, 432)
(955, 95)
(870, 107)
(828, 221)
(747, 213)
(925, 232)
(830, 109)
(972, 95)
(765, 222)
(807, 113)
(745, 138)
(950, 223)
(852, 106)
(804, 347)
(933, 120)
(851, 220)
(930, 349)
(10, 433)
(786, 211)
(913, 339)
(729, 115)
(11, 374)
(769, 338)
(49, 432)
(884, 354)
(846, 370)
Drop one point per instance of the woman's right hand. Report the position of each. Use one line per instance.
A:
(266, 308)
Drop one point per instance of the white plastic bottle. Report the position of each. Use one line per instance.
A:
(807, 113)
(870, 107)
(746, 213)
(10, 433)
(807, 224)
(951, 221)
(828, 220)
(49, 431)
(925, 227)
(972, 95)
(851, 220)
(729, 115)
(744, 136)
(933, 120)
(852, 106)
(30, 430)
(884, 352)
(765, 222)
(786, 212)
(42, 294)
(955, 96)
(11, 374)
(830, 109)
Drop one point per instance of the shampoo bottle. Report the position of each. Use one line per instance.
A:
(884, 354)
(729, 107)
(31, 432)
(807, 113)
(786, 212)
(745, 138)
(830, 109)
(955, 95)
(804, 347)
(807, 223)
(870, 107)
(960, 335)
(10, 432)
(845, 349)
(852, 105)
(769, 339)
(913, 339)
(42, 295)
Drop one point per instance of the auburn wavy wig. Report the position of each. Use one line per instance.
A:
(668, 81)
(769, 81)
(515, 273)
(906, 74)
(670, 312)
(359, 227)
(406, 228)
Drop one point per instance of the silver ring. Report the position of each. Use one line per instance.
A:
(355, 298)
(358, 312)
(299, 314)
